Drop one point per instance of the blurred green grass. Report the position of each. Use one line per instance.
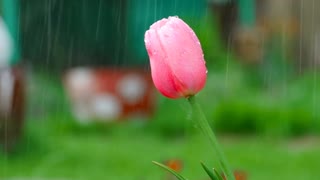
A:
(52, 150)
(55, 146)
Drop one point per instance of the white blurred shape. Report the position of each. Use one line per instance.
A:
(80, 82)
(106, 106)
(80, 85)
(132, 88)
(6, 45)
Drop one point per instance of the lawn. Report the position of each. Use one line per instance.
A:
(54, 147)
(125, 152)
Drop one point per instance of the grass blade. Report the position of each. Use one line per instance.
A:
(173, 172)
(210, 173)
(218, 174)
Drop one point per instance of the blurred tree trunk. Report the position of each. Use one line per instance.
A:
(12, 109)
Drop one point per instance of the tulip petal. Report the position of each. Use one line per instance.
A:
(176, 58)
(184, 53)
(160, 71)
(159, 24)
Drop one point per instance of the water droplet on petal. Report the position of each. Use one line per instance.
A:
(147, 43)
(183, 53)
(154, 52)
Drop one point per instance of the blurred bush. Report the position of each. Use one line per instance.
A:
(230, 101)
(172, 118)
(240, 109)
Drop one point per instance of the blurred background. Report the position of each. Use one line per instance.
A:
(77, 100)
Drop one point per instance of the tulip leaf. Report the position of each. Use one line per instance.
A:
(209, 172)
(214, 175)
(173, 172)
(218, 174)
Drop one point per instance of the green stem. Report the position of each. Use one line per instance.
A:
(206, 129)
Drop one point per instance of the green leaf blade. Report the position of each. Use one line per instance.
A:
(210, 174)
(218, 174)
(214, 175)
(173, 172)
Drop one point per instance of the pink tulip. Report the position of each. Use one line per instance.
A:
(176, 58)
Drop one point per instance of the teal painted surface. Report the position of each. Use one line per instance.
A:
(10, 9)
(110, 30)
(141, 14)
(247, 12)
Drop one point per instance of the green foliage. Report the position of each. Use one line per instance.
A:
(172, 118)
(49, 153)
(171, 171)
(277, 111)
(55, 146)
(213, 174)
(233, 105)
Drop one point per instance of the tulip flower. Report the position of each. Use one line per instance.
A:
(178, 70)
(176, 58)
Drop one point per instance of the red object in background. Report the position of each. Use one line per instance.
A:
(174, 164)
(12, 99)
(239, 175)
(108, 94)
